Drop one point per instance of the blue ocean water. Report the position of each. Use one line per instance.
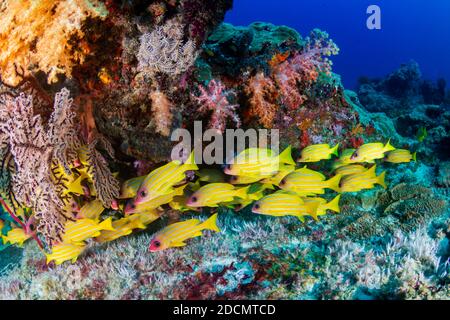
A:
(411, 29)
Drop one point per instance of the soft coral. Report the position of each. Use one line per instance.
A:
(303, 68)
(215, 98)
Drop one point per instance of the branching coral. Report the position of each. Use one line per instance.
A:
(164, 50)
(214, 99)
(43, 36)
(263, 99)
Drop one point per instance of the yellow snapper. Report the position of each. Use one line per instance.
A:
(257, 162)
(210, 175)
(130, 187)
(237, 180)
(281, 204)
(361, 181)
(308, 182)
(162, 180)
(77, 186)
(257, 193)
(83, 229)
(176, 234)
(65, 251)
(91, 210)
(122, 227)
(344, 159)
(350, 169)
(147, 217)
(276, 179)
(318, 152)
(131, 207)
(16, 236)
(400, 156)
(323, 206)
(211, 195)
(371, 151)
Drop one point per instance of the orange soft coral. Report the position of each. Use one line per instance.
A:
(263, 99)
(162, 112)
(37, 35)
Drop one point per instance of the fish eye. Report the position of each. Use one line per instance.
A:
(133, 206)
(143, 193)
(228, 167)
(157, 243)
(257, 206)
(283, 182)
(194, 199)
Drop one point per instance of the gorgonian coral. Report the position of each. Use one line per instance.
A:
(214, 98)
(43, 35)
(165, 50)
(32, 150)
(35, 147)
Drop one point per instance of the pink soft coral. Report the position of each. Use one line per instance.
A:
(215, 98)
(303, 68)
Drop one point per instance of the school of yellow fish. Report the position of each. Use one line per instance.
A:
(273, 184)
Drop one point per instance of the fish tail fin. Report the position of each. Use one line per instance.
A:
(372, 172)
(414, 156)
(313, 210)
(333, 183)
(242, 192)
(335, 150)
(388, 146)
(381, 180)
(333, 205)
(190, 164)
(139, 225)
(107, 225)
(286, 156)
(211, 223)
(269, 186)
(180, 191)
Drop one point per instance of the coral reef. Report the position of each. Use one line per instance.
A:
(89, 95)
(259, 259)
